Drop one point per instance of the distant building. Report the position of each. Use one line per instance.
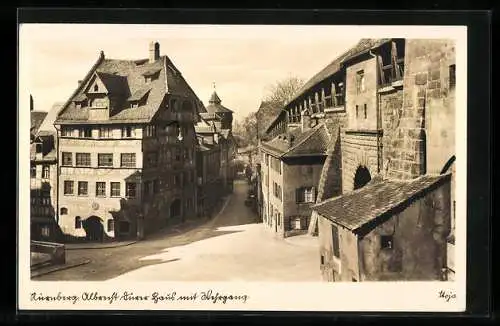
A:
(43, 180)
(215, 155)
(126, 149)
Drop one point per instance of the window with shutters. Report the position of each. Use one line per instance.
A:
(335, 241)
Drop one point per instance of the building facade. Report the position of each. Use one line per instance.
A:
(126, 149)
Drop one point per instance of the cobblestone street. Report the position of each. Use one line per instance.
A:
(230, 247)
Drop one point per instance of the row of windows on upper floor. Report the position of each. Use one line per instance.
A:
(119, 133)
(128, 160)
(150, 187)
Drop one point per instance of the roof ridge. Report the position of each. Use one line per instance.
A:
(312, 132)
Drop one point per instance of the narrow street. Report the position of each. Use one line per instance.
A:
(230, 247)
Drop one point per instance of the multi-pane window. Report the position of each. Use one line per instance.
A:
(66, 131)
(100, 189)
(128, 160)
(127, 132)
(82, 159)
(105, 159)
(115, 189)
(67, 158)
(305, 195)
(83, 188)
(130, 189)
(105, 132)
(69, 187)
(85, 132)
(45, 172)
(360, 81)
(335, 241)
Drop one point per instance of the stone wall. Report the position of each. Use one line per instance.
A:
(419, 246)
(345, 268)
(426, 99)
(358, 149)
(391, 105)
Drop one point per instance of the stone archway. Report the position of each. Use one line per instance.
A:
(361, 177)
(94, 228)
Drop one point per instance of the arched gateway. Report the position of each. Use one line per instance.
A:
(362, 177)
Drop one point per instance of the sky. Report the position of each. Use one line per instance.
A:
(242, 61)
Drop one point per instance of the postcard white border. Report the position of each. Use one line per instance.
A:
(363, 296)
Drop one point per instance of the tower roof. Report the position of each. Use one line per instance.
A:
(214, 104)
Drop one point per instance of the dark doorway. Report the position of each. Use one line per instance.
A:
(175, 208)
(362, 177)
(94, 228)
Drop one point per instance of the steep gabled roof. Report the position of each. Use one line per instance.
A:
(359, 207)
(125, 78)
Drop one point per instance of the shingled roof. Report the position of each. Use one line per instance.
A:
(37, 118)
(309, 143)
(357, 208)
(125, 78)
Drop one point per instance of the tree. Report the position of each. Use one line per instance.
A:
(283, 90)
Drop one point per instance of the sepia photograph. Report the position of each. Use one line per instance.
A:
(234, 160)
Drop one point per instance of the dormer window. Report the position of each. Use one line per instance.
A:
(134, 104)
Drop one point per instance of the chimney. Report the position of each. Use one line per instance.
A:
(305, 120)
(154, 51)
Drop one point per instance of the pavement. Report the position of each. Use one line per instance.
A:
(232, 246)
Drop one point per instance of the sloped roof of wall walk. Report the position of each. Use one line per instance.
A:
(361, 47)
(125, 80)
(359, 207)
